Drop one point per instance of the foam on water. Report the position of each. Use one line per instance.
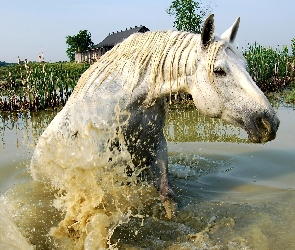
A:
(96, 197)
(29, 206)
(103, 206)
(83, 214)
(102, 203)
(91, 212)
(86, 197)
(191, 166)
(10, 236)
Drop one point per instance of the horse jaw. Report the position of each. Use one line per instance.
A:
(261, 125)
(258, 118)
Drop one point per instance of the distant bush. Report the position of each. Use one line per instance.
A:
(272, 69)
(2, 64)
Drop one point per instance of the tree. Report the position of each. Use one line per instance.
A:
(80, 42)
(188, 14)
(3, 63)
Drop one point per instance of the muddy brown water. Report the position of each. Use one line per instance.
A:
(232, 194)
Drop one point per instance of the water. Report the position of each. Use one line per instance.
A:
(232, 194)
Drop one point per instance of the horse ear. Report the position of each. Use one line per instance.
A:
(207, 31)
(230, 34)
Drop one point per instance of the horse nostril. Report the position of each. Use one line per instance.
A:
(263, 126)
(266, 125)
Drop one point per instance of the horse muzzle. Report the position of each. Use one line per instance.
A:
(265, 129)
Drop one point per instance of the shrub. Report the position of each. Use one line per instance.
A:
(272, 69)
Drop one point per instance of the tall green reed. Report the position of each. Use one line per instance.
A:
(272, 69)
(37, 86)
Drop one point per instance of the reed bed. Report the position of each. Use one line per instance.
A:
(37, 86)
(272, 69)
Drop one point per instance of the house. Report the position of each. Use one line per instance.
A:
(107, 44)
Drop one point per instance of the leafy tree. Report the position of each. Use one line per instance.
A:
(80, 42)
(2, 63)
(188, 14)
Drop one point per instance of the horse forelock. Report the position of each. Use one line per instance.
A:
(167, 55)
(213, 49)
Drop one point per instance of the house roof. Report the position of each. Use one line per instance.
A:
(114, 38)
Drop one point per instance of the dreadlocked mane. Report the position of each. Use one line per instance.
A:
(168, 55)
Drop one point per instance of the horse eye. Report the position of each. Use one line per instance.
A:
(219, 72)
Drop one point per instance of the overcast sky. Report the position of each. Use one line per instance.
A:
(32, 26)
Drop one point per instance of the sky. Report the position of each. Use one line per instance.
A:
(29, 27)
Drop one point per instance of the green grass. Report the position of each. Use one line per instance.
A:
(290, 96)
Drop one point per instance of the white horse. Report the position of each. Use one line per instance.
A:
(120, 102)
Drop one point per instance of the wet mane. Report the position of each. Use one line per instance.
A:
(213, 49)
(211, 56)
(167, 55)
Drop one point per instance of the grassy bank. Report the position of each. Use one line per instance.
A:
(38, 86)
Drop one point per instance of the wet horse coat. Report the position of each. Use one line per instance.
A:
(120, 102)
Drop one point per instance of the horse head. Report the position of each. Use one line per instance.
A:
(222, 87)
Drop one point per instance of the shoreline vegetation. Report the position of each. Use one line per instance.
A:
(38, 85)
(41, 85)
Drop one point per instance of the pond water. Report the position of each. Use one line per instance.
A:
(232, 194)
